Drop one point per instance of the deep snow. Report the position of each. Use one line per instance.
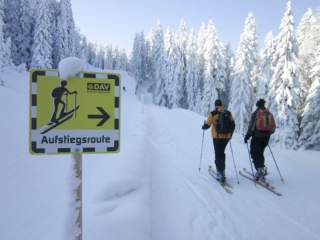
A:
(152, 189)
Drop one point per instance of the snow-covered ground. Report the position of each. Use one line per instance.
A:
(152, 190)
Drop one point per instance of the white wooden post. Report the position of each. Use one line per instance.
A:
(78, 170)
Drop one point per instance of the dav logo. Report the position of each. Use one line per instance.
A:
(98, 87)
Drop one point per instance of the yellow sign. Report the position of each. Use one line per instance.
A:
(81, 114)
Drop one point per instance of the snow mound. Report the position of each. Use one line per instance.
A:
(70, 67)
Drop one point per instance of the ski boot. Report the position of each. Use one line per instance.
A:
(260, 174)
(221, 177)
(265, 171)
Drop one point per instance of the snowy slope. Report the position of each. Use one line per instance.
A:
(195, 207)
(34, 190)
(152, 189)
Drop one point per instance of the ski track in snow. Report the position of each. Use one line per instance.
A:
(223, 219)
(216, 221)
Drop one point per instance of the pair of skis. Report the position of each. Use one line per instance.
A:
(266, 185)
(246, 174)
(225, 185)
(66, 116)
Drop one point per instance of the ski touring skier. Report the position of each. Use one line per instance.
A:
(222, 127)
(261, 126)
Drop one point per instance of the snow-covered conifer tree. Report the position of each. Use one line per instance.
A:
(266, 67)
(171, 62)
(228, 56)
(99, 62)
(304, 41)
(13, 28)
(109, 57)
(27, 32)
(116, 59)
(244, 76)
(54, 12)
(5, 53)
(284, 93)
(84, 48)
(77, 44)
(123, 61)
(221, 82)
(139, 60)
(92, 49)
(304, 31)
(192, 72)
(201, 39)
(310, 124)
(253, 51)
(157, 63)
(2, 9)
(66, 30)
(214, 75)
(135, 63)
(42, 44)
(147, 50)
(180, 99)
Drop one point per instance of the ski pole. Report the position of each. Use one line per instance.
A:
(276, 164)
(250, 163)
(234, 163)
(66, 102)
(75, 105)
(201, 150)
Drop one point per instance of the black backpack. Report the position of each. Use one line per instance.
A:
(225, 123)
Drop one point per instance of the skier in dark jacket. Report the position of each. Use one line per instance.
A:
(261, 126)
(220, 137)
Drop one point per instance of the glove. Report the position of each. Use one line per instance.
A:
(205, 126)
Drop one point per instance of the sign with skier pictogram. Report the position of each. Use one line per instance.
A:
(81, 114)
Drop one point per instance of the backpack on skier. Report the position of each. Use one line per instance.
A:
(265, 122)
(225, 123)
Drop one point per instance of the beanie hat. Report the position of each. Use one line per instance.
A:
(260, 103)
(218, 103)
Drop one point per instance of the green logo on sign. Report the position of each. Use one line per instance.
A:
(98, 87)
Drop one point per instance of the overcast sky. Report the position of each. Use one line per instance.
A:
(116, 21)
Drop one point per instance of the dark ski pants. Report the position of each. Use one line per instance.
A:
(257, 147)
(220, 157)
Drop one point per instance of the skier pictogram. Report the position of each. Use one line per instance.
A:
(64, 115)
(57, 94)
